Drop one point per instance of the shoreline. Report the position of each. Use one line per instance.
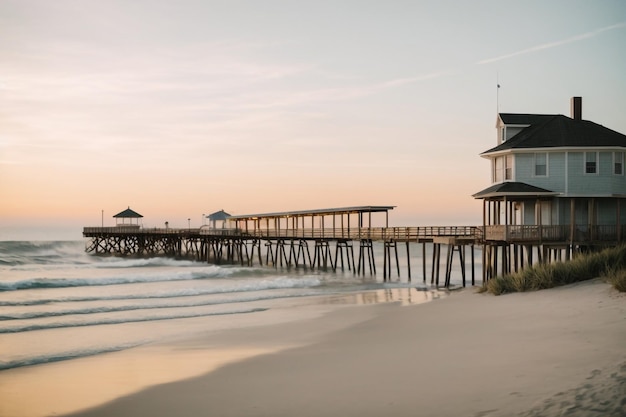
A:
(468, 354)
(62, 387)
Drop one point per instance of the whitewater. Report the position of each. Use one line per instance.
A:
(59, 303)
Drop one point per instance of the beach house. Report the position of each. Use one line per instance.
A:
(557, 182)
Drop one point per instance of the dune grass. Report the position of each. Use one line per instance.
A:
(609, 263)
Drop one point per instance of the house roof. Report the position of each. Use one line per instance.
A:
(218, 216)
(513, 189)
(561, 131)
(128, 213)
(524, 118)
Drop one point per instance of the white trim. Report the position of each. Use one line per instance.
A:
(557, 149)
(578, 195)
(566, 172)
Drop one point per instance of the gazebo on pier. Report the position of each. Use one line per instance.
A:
(129, 215)
(219, 216)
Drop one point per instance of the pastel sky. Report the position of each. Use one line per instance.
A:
(182, 108)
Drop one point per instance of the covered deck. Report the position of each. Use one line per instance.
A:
(354, 222)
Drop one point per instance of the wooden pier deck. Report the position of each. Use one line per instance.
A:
(295, 239)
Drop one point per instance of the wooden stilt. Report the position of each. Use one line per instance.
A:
(408, 261)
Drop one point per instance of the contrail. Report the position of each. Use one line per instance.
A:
(553, 44)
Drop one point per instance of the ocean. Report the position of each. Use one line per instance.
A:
(58, 303)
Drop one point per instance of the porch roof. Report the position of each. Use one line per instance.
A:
(513, 189)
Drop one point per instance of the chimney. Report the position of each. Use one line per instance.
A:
(576, 108)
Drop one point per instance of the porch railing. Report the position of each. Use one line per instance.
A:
(559, 233)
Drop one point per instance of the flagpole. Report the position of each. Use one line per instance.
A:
(497, 93)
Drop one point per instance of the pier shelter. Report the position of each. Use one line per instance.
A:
(218, 220)
(558, 187)
(127, 218)
(287, 234)
(346, 222)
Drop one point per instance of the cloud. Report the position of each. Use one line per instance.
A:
(555, 44)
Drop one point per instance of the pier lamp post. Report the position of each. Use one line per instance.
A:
(189, 224)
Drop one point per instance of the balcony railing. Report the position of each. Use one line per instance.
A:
(560, 233)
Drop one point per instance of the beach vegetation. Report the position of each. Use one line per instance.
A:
(609, 264)
(617, 278)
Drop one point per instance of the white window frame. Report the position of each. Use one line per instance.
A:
(508, 167)
(620, 161)
(498, 171)
(596, 161)
(502, 168)
(535, 164)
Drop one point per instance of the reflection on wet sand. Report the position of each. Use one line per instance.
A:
(404, 296)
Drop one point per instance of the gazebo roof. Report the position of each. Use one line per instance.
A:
(218, 216)
(128, 213)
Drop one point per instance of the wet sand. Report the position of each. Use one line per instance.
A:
(549, 353)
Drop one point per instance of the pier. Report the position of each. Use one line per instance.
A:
(345, 238)
(329, 239)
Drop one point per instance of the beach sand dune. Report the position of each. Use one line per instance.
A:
(559, 352)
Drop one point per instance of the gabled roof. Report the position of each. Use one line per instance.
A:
(218, 216)
(517, 189)
(128, 213)
(561, 131)
(524, 118)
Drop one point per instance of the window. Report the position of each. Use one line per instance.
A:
(618, 163)
(508, 167)
(541, 164)
(503, 168)
(497, 169)
(591, 162)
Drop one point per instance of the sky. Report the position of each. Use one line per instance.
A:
(182, 108)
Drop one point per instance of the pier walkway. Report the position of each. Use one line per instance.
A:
(303, 239)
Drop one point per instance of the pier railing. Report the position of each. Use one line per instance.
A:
(373, 233)
(123, 230)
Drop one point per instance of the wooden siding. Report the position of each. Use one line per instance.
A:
(592, 184)
(525, 171)
(578, 182)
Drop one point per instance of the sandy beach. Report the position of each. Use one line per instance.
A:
(549, 353)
